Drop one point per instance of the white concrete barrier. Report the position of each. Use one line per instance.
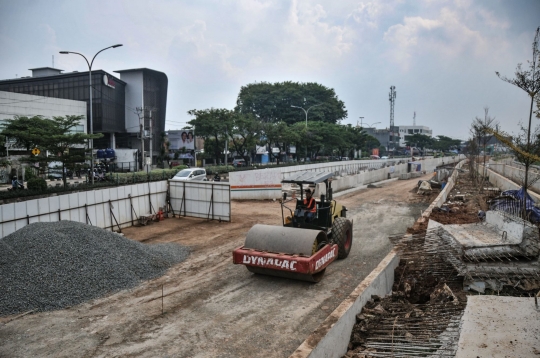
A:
(503, 183)
(266, 183)
(332, 337)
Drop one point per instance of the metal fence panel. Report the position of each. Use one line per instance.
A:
(201, 199)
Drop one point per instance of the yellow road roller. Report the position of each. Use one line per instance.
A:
(314, 233)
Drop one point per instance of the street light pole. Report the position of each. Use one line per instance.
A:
(306, 112)
(90, 88)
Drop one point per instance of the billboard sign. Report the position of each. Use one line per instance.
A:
(292, 149)
(181, 139)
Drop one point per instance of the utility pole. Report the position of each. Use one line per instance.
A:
(226, 145)
(151, 135)
(139, 111)
(392, 98)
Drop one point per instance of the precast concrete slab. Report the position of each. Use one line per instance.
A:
(499, 326)
(479, 235)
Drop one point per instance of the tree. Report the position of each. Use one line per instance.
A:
(483, 129)
(245, 131)
(278, 135)
(444, 143)
(370, 143)
(528, 81)
(418, 140)
(526, 147)
(271, 102)
(55, 135)
(213, 123)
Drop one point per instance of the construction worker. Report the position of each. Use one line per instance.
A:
(310, 205)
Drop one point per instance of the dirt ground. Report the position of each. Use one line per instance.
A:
(211, 307)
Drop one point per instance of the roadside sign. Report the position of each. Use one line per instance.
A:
(36, 151)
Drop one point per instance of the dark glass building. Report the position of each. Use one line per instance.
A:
(114, 102)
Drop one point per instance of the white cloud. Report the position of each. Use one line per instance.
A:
(445, 37)
(369, 13)
(309, 41)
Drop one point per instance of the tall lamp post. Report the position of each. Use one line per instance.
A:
(306, 112)
(90, 88)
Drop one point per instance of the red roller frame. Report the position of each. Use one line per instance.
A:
(286, 262)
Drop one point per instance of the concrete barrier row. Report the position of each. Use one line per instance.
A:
(266, 183)
(503, 183)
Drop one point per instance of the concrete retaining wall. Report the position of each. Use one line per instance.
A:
(332, 337)
(266, 183)
(516, 173)
(443, 195)
(506, 184)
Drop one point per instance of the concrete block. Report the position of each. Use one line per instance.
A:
(405, 176)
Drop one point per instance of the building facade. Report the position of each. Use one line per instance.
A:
(24, 105)
(129, 111)
(410, 130)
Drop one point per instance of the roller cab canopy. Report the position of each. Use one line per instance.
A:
(308, 178)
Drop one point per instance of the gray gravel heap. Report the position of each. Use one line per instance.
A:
(48, 266)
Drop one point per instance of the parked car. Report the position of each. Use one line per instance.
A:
(374, 157)
(190, 174)
(239, 163)
(384, 157)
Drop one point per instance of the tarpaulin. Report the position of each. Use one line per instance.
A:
(512, 201)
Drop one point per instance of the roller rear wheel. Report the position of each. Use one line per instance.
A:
(342, 236)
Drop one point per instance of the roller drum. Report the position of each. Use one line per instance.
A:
(286, 240)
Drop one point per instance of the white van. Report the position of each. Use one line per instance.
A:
(191, 174)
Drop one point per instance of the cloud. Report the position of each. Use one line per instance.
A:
(370, 13)
(310, 41)
(446, 36)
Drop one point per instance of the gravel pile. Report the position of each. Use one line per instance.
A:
(47, 266)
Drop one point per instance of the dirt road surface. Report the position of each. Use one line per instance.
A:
(213, 308)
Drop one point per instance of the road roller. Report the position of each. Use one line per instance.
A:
(311, 236)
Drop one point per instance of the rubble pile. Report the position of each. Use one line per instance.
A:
(421, 317)
(48, 266)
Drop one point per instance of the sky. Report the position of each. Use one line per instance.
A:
(440, 55)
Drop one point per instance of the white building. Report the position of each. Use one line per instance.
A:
(410, 130)
(18, 104)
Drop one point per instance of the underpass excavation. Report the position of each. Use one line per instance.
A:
(208, 307)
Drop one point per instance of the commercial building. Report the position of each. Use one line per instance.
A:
(24, 105)
(384, 136)
(129, 111)
(410, 130)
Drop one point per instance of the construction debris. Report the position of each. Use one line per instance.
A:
(469, 249)
(48, 266)
(421, 317)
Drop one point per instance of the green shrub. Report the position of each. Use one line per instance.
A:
(29, 173)
(219, 169)
(37, 184)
